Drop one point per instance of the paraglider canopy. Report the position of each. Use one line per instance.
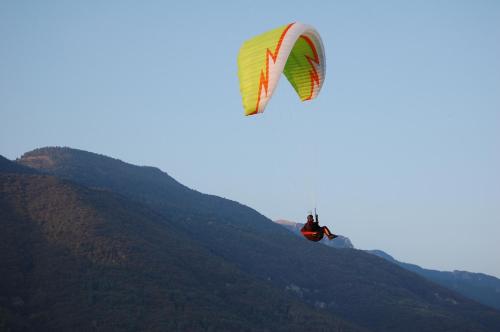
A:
(295, 50)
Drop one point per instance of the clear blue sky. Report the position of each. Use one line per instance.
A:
(400, 152)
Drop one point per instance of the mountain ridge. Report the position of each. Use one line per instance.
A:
(479, 287)
(77, 258)
(360, 288)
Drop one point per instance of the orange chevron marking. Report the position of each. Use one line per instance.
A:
(264, 78)
(313, 73)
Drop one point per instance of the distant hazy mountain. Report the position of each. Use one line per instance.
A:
(480, 287)
(341, 242)
(477, 286)
(7, 166)
(147, 245)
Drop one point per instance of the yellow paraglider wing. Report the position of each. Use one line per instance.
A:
(295, 50)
